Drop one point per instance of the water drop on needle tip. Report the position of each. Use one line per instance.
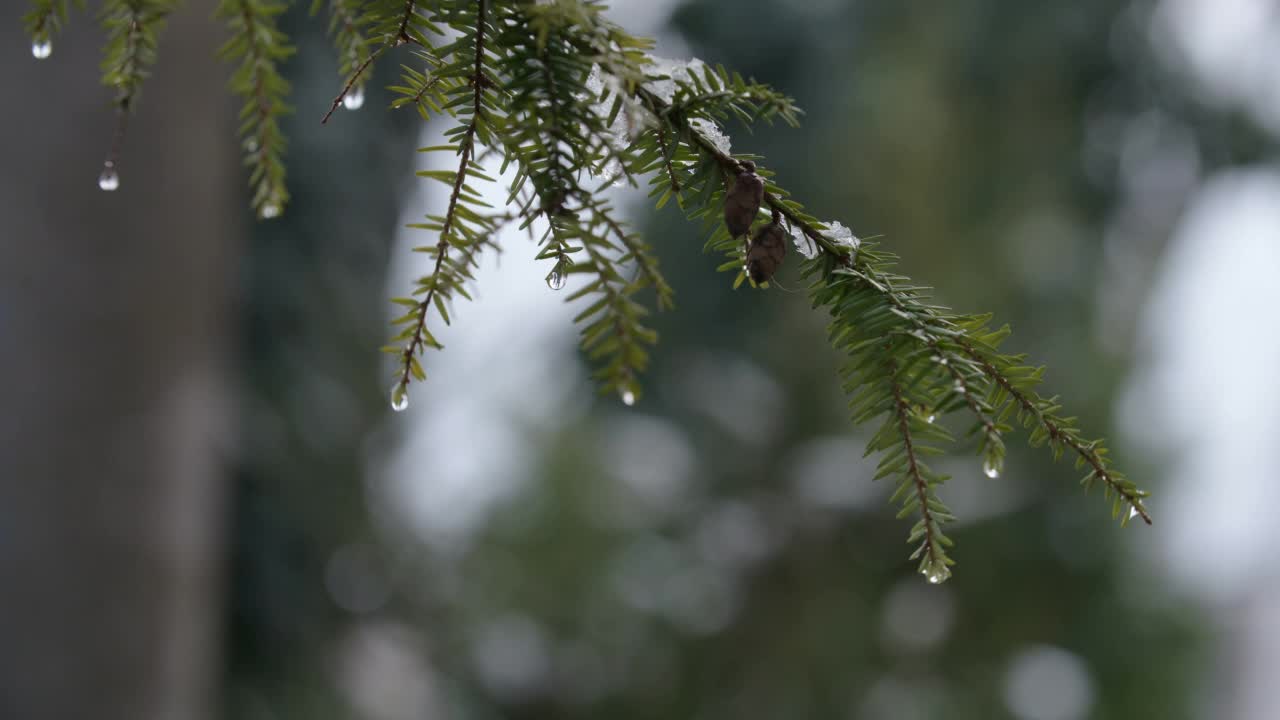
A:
(109, 180)
(628, 398)
(399, 397)
(555, 279)
(354, 99)
(41, 50)
(935, 575)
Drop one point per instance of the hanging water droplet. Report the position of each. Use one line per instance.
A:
(628, 397)
(931, 418)
(555, 278)
(41, 49)
(251, 145)
(354, 99)
(1133, 512)
(399, 396)
(270, 210)
(109, 180)
(991, 468)
(936, 575)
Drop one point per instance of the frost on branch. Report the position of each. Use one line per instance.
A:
(804, 244)
(673, 71)
(711, 131)
(624, 118)
(841, 235)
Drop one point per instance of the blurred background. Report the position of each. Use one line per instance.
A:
(208, 509)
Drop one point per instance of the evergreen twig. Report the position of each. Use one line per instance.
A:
(418, 335)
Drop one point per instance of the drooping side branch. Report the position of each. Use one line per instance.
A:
(447, 277)
(133, 28)
(1058, 431)
(259, 45)
(918, 482)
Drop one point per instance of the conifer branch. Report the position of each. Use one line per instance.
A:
(1059, 433)
(402, 34)
(637, 250)
(992, 436)
(552, 131)
(349, 42)
(259, 46)
(355, 75)
(438, 284)
(133, 28)
(934, 562)
(666, 160)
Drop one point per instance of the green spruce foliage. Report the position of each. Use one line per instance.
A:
(571, 104)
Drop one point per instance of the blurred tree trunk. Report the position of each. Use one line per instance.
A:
(114, 328)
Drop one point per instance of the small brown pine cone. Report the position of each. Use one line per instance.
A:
(766, 252)
(742, 202)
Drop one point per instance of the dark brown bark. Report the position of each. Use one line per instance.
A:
(114, 328)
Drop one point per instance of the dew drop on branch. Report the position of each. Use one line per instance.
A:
(41, 49)
(399, 396)
(109, 180)
(931, 418)
(936, 575)
(555, 279)
(354, 99)
(1133, 511)
(269, 211)
(991, 468)
(628, 397)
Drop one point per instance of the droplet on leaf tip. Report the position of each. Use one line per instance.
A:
(269, 211)
(991, 468)
(931, 418)
(41, 49)
(628, 397)
(354, 99)
(936, 575)
(109, 180)
(399, 397)
(555, 279)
